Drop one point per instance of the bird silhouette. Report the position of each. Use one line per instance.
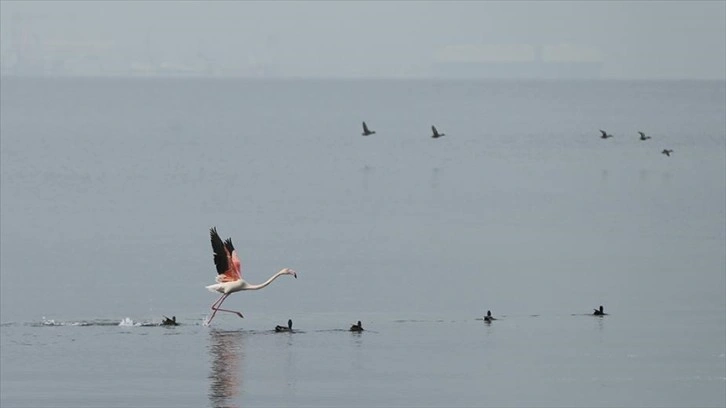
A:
(488, 318)
(436, 134)
(169, 322)
(366, 131)
(283, 328)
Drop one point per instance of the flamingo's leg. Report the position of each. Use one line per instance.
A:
(217, 309)
(221, 298)
(230, 311)
(215, 305)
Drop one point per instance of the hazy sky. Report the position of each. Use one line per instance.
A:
(649, 39)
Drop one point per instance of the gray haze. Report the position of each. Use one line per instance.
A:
(620, 40)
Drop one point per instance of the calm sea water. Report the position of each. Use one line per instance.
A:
(108, 188)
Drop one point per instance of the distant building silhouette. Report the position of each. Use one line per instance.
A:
(520, 61)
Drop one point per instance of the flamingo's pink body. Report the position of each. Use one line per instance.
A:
(229, 273)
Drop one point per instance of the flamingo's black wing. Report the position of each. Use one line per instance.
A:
(221, 259)
(228, 245)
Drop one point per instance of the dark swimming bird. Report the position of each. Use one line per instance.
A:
(366, 131)
(357, 327)
(599, 312)
(643, 136)
(283, 328)
(667, 152)
(488, 318)
(605, 134)
(436, 134)
(169, 322)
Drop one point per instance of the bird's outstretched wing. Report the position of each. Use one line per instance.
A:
(433, 129)
(603, 132)
(232, 256)
(365, 128)
(220, 253)
(641, 134)
(224, 259)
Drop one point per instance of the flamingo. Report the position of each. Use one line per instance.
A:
(436, 133)
(366, 131)
(643, 136)
(229, 273)
(599, 312)
(358, 327)
(605, 134)
(667, 152)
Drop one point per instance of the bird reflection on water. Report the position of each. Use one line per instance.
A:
(226, 350)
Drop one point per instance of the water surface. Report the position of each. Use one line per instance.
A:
(109, 187)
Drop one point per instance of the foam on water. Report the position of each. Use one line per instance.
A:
(125, 322)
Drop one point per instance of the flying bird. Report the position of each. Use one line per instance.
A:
(436, 134)
(229, 273)
(279, 328)
(643, 136)
(667, 152)
(366, 131)
(605, 135)
(599, 312)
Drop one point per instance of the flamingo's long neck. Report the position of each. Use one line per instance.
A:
(267, 282)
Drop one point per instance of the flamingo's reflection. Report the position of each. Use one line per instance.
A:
(226, 351)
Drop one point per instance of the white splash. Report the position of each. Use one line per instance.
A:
(126, 322)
